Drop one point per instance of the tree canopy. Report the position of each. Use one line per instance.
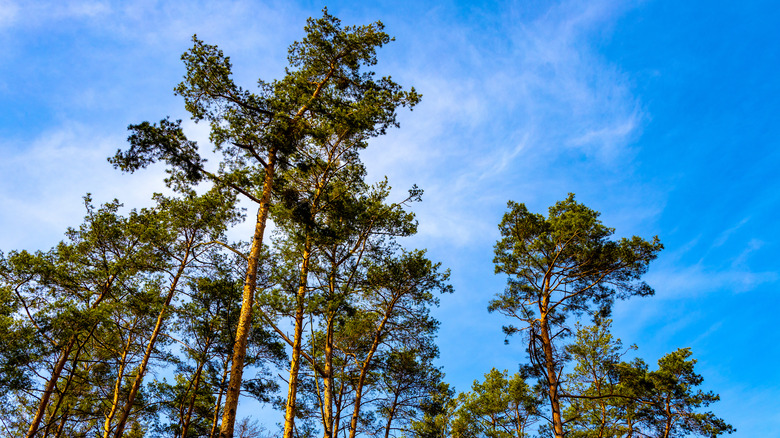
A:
(151, 323)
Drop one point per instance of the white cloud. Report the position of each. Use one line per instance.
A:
(43, 182)
(499, 114)
(9, 13)
(726, 234)
(673, 283)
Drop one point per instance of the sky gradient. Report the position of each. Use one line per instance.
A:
(662, 115)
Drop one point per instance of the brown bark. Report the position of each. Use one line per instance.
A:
(295, 360)
(117, 388)
(552, 375)
(327, 402)
(391, 415)
(245, 318)
(195, 385)
(53, 414)
(55, 375)
(365, 367)
(552, 380)
(61, 426)
(57, 371)
(669, 418)
(218, 404)
(122, 422)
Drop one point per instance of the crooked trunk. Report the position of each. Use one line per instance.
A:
(549, 359)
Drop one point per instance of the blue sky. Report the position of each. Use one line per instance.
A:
(663, 115)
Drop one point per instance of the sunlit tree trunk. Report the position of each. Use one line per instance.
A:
(60, 364)
(245, 317)
(142, 367)
(194, 390)
(552, 372)
(295, 360)
(218, 404)
(364, 371)
(117, 389)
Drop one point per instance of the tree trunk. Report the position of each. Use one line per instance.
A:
(120, 426)
(364, 370)
(245, 318)
(61, 426)
(391, 415)
(117, 388)
(328, 382)
(295, 360)
(57, 371)
(327, 403)
(195, 385)
(552, 375)
(215, 420)
(52, 415)
(552, 380)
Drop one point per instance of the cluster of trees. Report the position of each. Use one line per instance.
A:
(151, 323)
(560, 267)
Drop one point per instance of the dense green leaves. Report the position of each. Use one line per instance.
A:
(150, 323)
(501, 406)
(561, 266)
(609, 397)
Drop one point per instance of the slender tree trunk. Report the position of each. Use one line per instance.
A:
(55, 375)
(327, 401)
(295, 360)
(195, 385)
(61, 426)
(364, 370)
(245, 318)
(139, 377)
(519, 422)
(552, 380)
(327, 414)
(217, 406)
(552, 375)
(52, 415)
(391, 415)
(338, 405)
(669, 419)
(57, 371)
(117, 388)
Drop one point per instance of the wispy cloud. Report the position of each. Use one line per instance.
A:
(504, 118)
(43, 183)
(696, 280)
(9, 13)
(724, 236)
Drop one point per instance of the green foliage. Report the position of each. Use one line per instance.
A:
(599, 403)
(612, 398)
(499, 407)
(668, 400)
(561, 266)
(436, 409)
(325, 92)
(569, 258)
